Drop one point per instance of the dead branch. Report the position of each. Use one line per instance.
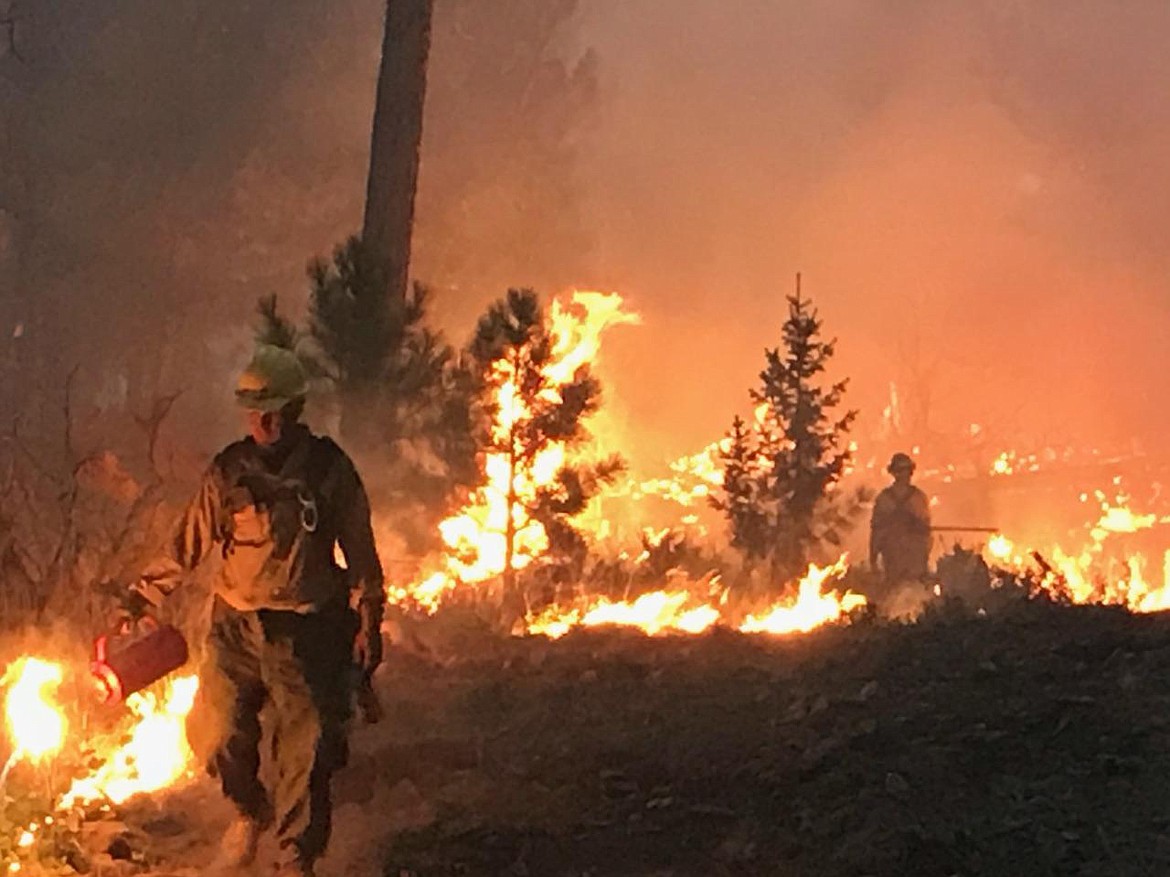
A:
(151, 424)
(8, 24)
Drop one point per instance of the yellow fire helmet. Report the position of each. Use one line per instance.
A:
(273, 379)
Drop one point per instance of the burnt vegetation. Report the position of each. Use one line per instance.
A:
(1031, 742)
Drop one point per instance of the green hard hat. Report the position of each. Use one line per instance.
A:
(273, 379)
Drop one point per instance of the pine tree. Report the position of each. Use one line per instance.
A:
(527, 413)
(405, 393)
(781, 475)
(741, 488)
(394, 146)
(274, 328)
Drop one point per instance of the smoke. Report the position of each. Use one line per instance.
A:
(974, 193)
(971, 191)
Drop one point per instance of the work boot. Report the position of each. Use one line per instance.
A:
(239, 844)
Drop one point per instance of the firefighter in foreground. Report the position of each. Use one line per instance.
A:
(899, 541)
(288, 624)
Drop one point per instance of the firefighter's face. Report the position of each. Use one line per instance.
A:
(265, 427)
(902, 474)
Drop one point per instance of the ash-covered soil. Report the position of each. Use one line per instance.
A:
(1035, 742)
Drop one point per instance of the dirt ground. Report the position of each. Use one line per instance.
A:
(1035, 742)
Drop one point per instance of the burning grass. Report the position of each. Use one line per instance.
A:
(70, 757)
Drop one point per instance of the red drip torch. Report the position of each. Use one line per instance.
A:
(135, 656)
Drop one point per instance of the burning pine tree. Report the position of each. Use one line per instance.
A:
(537, 392)
(780, 472)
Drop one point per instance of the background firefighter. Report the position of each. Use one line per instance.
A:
(899, 541)
(283, 632)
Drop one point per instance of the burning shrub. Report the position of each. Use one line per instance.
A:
(517, 529)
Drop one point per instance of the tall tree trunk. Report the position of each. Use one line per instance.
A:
(395, 142)
(386, 229)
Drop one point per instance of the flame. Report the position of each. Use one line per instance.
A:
(475, 539)
(1115, 519)
(812, 607)
(36, 723)
(154, 756)
(1002, 465)
(1000, 547)
(691, 480)
(1095, 571)
(681, 611)
(653, 613)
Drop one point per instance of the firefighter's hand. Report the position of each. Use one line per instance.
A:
(367, 701)
(367, 645)
(367, 650)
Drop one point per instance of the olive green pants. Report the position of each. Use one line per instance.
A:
(299, 668)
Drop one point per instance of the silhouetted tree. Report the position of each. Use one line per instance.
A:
(394, 148)
(272, 327)
(414, 428)
(413, 388)
(741, 499)
(781, 474)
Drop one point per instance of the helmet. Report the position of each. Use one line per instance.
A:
(273, 379)
(900, 461)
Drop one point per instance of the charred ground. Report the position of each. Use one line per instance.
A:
(1035, 741)
(1032, 742)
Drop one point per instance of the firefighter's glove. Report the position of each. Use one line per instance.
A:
(367, 702)
(367, 646)
(131, 609)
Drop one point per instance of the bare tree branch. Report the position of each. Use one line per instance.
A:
(8, 23)
(151, 424)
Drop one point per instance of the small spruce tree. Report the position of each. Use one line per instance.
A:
(781, 474)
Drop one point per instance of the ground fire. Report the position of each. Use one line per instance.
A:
(144, 750)
(423, 388)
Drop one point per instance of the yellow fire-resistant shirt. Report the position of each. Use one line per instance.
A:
(276, 514)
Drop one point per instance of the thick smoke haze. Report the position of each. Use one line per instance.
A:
(975, 194)
(972, 191)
